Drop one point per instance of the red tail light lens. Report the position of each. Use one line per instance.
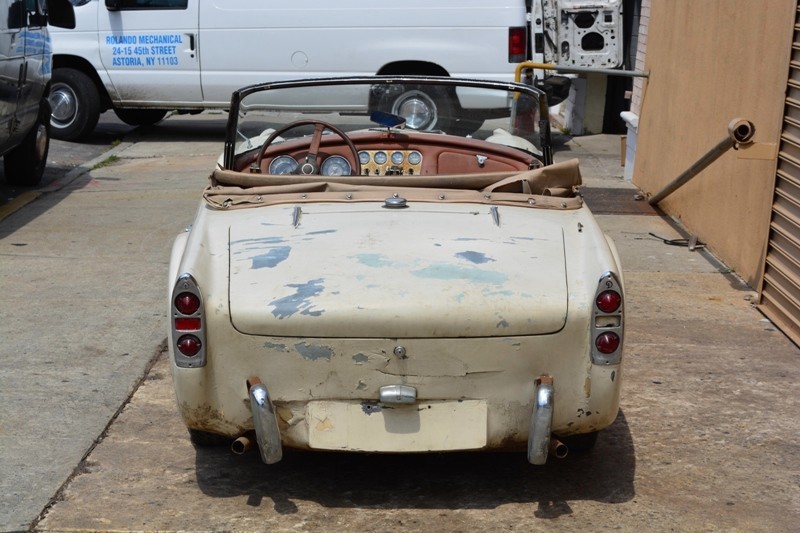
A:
(517, 44)
(189, 345)
(608, 301)
(187, 303)
(607, 342)
(187, 324)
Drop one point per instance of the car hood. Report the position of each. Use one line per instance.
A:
(430, 270)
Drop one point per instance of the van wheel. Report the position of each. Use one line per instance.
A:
(76, 104)
(24, 165)
(140, 117)
(426, 108)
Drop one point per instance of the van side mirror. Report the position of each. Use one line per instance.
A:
(113, 5)
(61, 14)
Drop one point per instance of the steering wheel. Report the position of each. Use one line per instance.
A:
(311, 166)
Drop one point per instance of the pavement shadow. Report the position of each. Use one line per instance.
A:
(427, 481)
(206, 127)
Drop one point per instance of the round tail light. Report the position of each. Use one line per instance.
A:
(187, 303)
(607, 342)
(189, 345)
(608, 301)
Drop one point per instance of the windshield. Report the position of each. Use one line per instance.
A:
(355, 111)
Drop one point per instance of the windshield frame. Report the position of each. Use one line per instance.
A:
(238, 95)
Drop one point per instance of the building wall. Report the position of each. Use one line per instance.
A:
(641, 55)
(711, 61)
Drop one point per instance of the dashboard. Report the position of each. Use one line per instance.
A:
(391, 153)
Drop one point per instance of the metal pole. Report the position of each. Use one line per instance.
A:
(578, 70)
(740, 131)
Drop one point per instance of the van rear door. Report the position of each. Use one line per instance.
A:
(149, 49)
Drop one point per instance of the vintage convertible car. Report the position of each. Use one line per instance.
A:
(360, 278)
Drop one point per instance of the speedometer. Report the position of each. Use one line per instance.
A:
(283, 164)
(336, 165)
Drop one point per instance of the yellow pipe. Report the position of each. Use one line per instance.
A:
(530, 64)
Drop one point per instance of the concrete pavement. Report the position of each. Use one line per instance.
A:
(706, 438)
(82, 278)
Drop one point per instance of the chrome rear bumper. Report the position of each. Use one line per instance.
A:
(540, 441)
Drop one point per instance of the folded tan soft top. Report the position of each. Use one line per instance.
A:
(551, 187)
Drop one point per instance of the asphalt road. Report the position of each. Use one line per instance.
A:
(90, 440)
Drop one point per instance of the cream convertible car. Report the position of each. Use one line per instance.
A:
(360, 278)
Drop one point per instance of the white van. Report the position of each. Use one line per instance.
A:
(144, 57)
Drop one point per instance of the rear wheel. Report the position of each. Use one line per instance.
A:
(140, 117)
(75, 104)
(24, 165)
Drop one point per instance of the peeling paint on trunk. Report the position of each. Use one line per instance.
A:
(477, 258)
(313, 352)
(373, 260)
(446, 271)
(272, 258)
(299, 301)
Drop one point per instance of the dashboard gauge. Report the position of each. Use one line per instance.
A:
(283, 164)
(397, 157)
(381, 158)
(415, 158)
(336, 165)
(363, 157)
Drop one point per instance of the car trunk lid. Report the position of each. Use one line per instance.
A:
(430, 270)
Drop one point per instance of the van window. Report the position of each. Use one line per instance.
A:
(151, 4)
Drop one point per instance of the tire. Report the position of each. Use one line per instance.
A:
(582, 443)
(25, 164)
(205, 439)
(140, 117)
(75, 102)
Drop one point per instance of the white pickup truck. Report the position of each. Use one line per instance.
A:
(143, 58)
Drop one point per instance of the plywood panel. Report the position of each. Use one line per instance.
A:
(710, 62)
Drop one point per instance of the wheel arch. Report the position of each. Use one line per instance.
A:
(408, 68)
(412, 68)
(81, 64)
